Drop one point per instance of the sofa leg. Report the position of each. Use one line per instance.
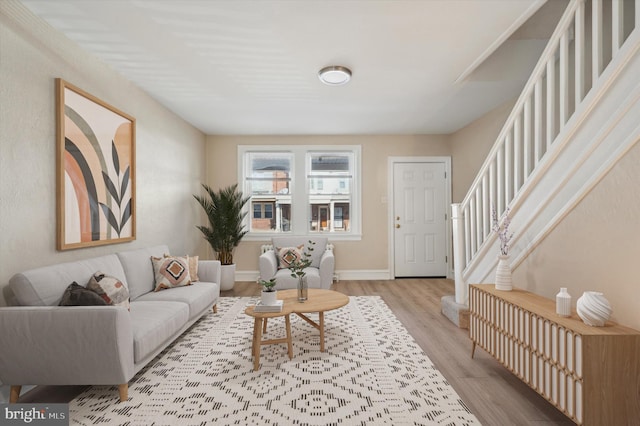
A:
(14, 394)
(124, 392)
(215, 309)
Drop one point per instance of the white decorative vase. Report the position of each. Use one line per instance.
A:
(593, 308)
(563, 303)
(503, 273)
(269, 297)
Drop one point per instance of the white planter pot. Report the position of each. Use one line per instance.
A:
(227, 277)
(269, 297)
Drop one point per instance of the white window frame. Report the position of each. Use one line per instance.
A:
(300, 211)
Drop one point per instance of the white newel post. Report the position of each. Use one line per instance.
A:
(457, 225)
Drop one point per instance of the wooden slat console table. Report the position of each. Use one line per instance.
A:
(591, 374)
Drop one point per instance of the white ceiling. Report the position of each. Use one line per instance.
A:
(250, 67)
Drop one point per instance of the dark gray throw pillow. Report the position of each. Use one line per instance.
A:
(76, 295)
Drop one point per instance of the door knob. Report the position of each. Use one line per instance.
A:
(397, 225)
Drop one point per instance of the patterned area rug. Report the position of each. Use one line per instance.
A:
(372, 372)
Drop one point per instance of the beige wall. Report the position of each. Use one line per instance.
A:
(371, 253)
(470, 146)
(596, 247)
(170, 163)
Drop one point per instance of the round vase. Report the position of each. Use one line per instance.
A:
(503, 273)
(593, 308)
(269, 297)
(302, 289)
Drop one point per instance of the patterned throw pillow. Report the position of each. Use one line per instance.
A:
(193, 266)
(76, 295)
(171, 272)
(287, 256)
(111, 289)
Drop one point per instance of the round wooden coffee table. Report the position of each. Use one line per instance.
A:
(318, 301)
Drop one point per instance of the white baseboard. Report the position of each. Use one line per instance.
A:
(247, 276)
(346, 275)
(363, 274)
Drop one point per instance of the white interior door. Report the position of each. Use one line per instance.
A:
(420, 222)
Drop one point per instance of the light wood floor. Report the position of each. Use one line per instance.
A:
(493, 394)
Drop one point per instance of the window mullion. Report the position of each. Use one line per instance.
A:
(299, 204)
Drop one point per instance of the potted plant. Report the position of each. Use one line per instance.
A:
(224, 209)
(269, 293)
(297, 271)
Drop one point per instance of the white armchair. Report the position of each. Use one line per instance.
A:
(319, 273)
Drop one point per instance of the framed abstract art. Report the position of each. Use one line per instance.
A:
(95, 155)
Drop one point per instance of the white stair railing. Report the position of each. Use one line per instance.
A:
(589, 34)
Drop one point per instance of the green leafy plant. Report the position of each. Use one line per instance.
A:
(268, 285)
(224, 209)
(297, 268)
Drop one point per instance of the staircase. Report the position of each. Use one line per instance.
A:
(577, 116)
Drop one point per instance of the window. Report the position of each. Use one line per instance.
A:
(268, 182)
(262, 210)
(330, 175)
(301, 190)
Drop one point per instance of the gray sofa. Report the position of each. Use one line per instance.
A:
(45, 344)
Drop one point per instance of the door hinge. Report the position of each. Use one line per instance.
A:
(445, 216)
(445, 175)
(446, 260)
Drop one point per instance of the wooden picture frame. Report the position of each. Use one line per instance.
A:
(95, 166)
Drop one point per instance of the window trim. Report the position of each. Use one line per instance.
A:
(300, 190)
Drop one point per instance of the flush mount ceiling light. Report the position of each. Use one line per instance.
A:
(334, 75)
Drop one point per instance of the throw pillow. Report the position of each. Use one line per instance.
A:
(170, 272)
(111, 289)
(287, 256)
(76, 295)
(193, 266)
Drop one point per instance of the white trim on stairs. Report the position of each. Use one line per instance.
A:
(616, 106)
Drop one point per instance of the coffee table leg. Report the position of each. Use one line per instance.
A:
(287, 321)
(264, 326)
(257, 339)
(321, 318)
(253, 339)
